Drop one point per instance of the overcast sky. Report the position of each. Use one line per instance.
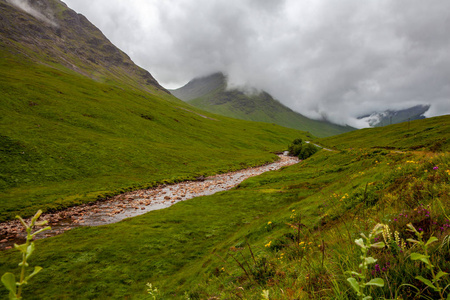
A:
(323, 58)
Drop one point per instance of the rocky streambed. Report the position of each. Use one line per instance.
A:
(135, 203)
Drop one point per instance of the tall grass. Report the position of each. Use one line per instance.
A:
(313, 256)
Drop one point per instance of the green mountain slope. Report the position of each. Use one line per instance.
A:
(58, 37)
(211, 94)
(289, 232)
(432, 134)
(79, 121)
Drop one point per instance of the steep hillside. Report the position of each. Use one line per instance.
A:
(73, 130)
(50, 33)
(211, 94)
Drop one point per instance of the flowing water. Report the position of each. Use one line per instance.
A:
(135, 203)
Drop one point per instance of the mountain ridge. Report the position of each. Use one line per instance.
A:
(69, 39)
(389, 117)
(212, 94)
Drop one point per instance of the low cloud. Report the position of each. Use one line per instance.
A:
(25, 6)
(334, 60)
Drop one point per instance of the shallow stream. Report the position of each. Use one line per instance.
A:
(135, 203)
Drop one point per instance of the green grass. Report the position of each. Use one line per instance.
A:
(335, 195)
(66, 139)
(432, 134)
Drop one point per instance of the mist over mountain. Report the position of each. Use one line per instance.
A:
(49, 32)
(338, 60)
(389, 117)
(213, 93)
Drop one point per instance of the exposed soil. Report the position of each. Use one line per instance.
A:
(134, 203)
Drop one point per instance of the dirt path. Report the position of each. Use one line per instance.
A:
(135, 203)
(326, 149)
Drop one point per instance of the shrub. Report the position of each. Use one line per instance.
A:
(307, 150)
(297, 142)
(301, 150)
(295, 149)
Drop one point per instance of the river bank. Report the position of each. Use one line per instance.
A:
(135, 203)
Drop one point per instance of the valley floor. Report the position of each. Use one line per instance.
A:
(135, 203)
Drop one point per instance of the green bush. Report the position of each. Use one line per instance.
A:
(307, 150)
(295, 149)
(300, 149)
(297, 142)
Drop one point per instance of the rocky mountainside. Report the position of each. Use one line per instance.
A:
(49, 32)
(389, 117)
(211, 94)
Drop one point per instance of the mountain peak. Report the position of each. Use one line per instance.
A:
(49, 32)
(212, 94)
(388, 117)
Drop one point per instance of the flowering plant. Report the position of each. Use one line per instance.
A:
(365, 243)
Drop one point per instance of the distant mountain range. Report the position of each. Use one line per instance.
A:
(388, 117)
(211, 93)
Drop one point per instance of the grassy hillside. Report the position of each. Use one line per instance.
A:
(66, 139)
(430, 134)
(61, 38)
(69, 135)
(73, 130)
(290, 233)
(211, 94)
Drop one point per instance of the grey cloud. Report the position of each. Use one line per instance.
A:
(325, 59)
(46, 16)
